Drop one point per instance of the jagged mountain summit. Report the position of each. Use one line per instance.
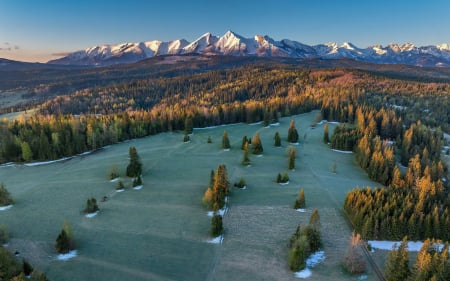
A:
(234, 44)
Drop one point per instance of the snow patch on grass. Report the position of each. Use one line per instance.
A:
(294, 143)
(120, 190)
(68, 256)
(221, 212)
(139, 187)
(91, 215)
(45, 162)
(7, 207)
(342, 151)
(259, 155)
(363, 277)
(275, 124)
(301, 210)
(413, 246)
(216, 240)
(313, 260)
(226, 149)
(114, 179)
(256, 123)
(283, 183)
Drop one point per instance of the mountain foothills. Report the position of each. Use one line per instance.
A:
(262, 46)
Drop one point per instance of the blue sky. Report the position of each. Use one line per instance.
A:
(34, 30)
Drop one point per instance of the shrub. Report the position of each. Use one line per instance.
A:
(120, 185)
(300, 201)
(282, 178)
(91, 206)
(186, 138)
(240, 184)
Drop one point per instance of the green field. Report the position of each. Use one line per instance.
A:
(160, 232)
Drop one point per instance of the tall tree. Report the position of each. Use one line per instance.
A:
(326, 137)
(292, 132)
(257, 147)
(134, 168)
(5, 196)
(300, 202)
(225, 141)
(292, 153)
(246, 159)
(65, 241)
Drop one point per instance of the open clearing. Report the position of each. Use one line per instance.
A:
(161, 231)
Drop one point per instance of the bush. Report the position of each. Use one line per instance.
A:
(300, 201)
(113, 173)
(282, 178)
(240, 184)
(298, 254)
(120, 185)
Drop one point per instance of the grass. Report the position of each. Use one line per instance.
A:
(160, 232)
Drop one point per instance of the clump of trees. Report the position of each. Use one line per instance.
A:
(282, 178)
(292, 154)
(305, 241)
(91, 206)
(343, 138)
(354, 260)
(113, 173)
(12, 270)
(134, 168)
(300, 202)
(397, 263)
(292, 132)
(257, 147)
(5, 196)
(65, 241)
(214, 196)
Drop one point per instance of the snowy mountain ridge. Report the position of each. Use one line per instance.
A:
(234, 44)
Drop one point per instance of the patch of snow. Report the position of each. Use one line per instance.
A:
(259, 155)
(322, 122)
(46, 162)
(363, 277)
(294, 143)
(114, 179)
(85, 153)
(7, 207)
(138, 187)
(91, 215)
(275, 124)
(187, 141)
(226, 149)
(244, 187)
(216, 240)
(248, 166)
(221, 212)
(9, 164)
(413, 246)
(283, 183)
(68, 256)
(257, 123)
(303, 274)
(120, 190)
(342, 151)
(301, 210)
(334, 122)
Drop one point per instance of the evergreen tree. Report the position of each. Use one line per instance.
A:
(209, 140)
(9, 267)
(113, 172)
(207, 199)
(292, 153)
(257, 147)
(225, 141)
(354, 261)
(65, 242)
(300, 201)
(188, 126)
(326, 138)
(292, 132)
(137, 181)
(266, 119)
(120, 185)
(397, 267)
(27, 269)
(277, 139)
(216, 225)
(298, 254)
(186, 138)
(246, 159)
(134, 168)
(5, 196)
(27, 154)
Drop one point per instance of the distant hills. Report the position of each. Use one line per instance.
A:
(234, 44)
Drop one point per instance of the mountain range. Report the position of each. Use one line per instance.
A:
(262, 46)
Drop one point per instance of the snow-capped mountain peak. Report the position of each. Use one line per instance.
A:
(234, 44)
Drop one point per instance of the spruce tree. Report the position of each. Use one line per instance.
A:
(246, 159)
(91, 206)
(134, 168)
(257, 147)
(277, 139)
(65, 241)
(298, 254)
(188, 126)
(292, 153)
(137, 181)
(292, 132)
(314, 220)
(225, 141)
(244, 142)
(266, 117)
(27, 269)
(186, 138)
(354, 261)
(120, 185)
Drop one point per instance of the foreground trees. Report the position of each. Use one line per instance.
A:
(65, 241)
(292, 133)
(300, 202)
(91, 206)
(257, 147)
(5, 196)
(214, 196)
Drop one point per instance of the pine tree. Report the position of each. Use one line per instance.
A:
(354, 261)
(216, 225)
(91, 206)
(326, 138)
(292, 132)
(186, 138)
(257, 147)
(298, 254)
(188, 126)
(244, 142)
(137, 181)
(27, 269)
(225, 141)
(120, 185)
(5, 196)
(277, 139)
(27, 154)
(134, 169)
(292, 153)
(314, 220)
(266, 117)
(65, 242)
(397, 267)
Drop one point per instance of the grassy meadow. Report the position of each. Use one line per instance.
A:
(160, 232)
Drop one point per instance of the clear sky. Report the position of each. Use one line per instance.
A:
(39, 30)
